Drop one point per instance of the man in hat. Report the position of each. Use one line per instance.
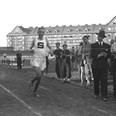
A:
(58, 65)
(66, 64)
(100, 52)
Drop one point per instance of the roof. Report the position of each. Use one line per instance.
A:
(65, 29)
(113, 21)
(27, 30)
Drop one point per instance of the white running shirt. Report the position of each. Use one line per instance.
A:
(40, 52)
(40, 49)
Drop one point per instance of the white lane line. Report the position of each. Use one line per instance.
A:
(89, 106)
(93, 107)
(45, 88)
(100, 110)
(25, 104)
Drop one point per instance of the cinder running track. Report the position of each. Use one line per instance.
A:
(56, 99)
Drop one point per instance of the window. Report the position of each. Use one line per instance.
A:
(77, 30)
(47, 31)
(55, 31)
(109, 28)
(68, 30)
(86, 29)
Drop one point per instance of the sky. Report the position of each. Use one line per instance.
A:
(46, 13)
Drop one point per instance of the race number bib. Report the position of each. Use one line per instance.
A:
(40, 45)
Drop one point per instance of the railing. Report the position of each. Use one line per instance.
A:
(12, 63)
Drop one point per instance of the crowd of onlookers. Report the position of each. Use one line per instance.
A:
(92, 61)
(18, 61)
(73, 59)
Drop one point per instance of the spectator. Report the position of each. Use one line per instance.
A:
(19, 60)
(73, 59)
(100, 52)
(110, 61)
(66, 63)
(58, 65)
(4, 61)
(78, 58)
(86, 71)
(113, 66)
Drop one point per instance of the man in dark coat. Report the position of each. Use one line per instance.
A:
(19, 60)
(58, 55)
(100, 52)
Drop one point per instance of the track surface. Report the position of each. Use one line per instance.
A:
(56, 99)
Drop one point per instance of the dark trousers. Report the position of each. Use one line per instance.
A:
(100, 79)
(113, 70)
(66, 69)
(58, 67)
(19, 65)
(47, 64)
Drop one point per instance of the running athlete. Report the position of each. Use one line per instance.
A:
(41, 50)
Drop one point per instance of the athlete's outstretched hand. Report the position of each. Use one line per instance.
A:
(31, 50)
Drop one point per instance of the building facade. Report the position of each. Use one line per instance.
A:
(20, 38)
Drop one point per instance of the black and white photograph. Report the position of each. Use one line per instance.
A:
(57, 58)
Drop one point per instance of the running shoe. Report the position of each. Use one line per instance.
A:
(35, 94)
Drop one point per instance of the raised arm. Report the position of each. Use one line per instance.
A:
(80, 51)
(32, 44)
(48, 45)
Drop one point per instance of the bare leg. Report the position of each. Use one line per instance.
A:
(39, 75)
(33, 81)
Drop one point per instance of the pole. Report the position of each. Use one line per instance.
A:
(62, 33)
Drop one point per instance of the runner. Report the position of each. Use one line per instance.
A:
(41, 50)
